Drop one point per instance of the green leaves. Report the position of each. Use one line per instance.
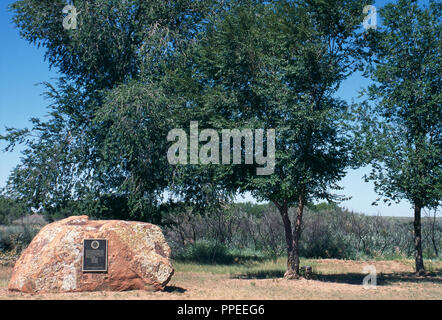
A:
(277, 66)
(402, 127)
(104, 141)
(133, 70)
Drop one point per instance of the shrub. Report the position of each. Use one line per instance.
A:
(328, 232)
(205, 251)
(16, 238)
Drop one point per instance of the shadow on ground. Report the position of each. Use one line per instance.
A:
(382, 279)
(351, 278)
(173, 289)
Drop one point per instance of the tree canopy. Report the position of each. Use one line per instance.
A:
(117, 59)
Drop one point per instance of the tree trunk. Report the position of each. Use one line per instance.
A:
(297, 234)
(420, 270)
(292, 236)
(283, 210)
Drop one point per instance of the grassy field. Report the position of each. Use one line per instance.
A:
(333, 279)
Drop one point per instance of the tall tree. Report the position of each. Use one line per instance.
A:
(278, 65)
(402, 123)
(113, 68)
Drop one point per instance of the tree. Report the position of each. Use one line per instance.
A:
(87, 153)
(278, 65)
(402, 124)
(10, 210)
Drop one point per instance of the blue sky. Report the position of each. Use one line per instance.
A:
(22, 67)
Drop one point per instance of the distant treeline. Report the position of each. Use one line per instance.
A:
(247, 230)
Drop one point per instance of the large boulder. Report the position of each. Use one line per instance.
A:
(138, 258)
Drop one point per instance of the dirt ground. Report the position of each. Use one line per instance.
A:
(332, 279)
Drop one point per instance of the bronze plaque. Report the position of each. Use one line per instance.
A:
(95, 255)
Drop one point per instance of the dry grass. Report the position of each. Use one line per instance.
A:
(5, 274)
(333, 279)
